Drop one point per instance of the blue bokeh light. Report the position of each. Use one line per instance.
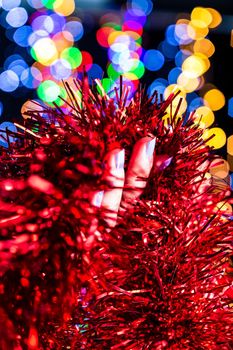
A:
(170, 35)
(145, 6)
(21, 35)
(135, 15)
(75, 28)
(43, 22)
(36, 4)
(118, 57)
(34, 36)
(190, 97)
(10, 59)
(153, 60)
(9, 81)
(168, 50)
(31, 77)
(3, 136)
(17, 17)
(61, 69)
(195, 103)
(18, 66)
(10, 4)
(10, 33)
(182, 35)
(158, 85)
(230, 107)
(231, 182)
(181, 56)
(58, 21)
(96, 72)
(173, 75)
(1, 108)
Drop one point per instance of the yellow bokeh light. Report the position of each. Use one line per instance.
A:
(196, 32)
(30, 105)
(182, 21)
(179, 100)
(167, 119)
(219, 168)
(204, 116)
(135, 36)
(45, 51)
(173, 106)
(201, 17)
(195, 65)
(201, 82)
(63, 40)
(189, 84)
(218, 140)
(216, 17)
(230, 145)
(215, 99)
(172, 89)
(204, 46)
(64, 7)
(130, 76)
(230, 161)
(187, 47)
(114, 35)
(181, 30)
(225, 207)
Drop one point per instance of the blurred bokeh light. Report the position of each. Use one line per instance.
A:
(54, 40)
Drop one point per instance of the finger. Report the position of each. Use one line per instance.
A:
(139, 168)
(95, 200)
(114, 177)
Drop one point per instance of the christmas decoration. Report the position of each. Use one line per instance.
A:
(131, 255)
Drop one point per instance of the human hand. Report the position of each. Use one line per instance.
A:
(123, 187)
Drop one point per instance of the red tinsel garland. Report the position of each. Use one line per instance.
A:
(160, 279)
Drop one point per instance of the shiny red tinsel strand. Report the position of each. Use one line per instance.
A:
(160, 279)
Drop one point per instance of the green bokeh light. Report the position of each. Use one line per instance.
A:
(73, 56)
(138, 41)
(138, 69)
(48, 3)
(112, 25)
(33, 54)
(107, 85)
(48, 91)
(112, 73)
(59, 102)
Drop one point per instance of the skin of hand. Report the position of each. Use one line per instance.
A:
(124, 187)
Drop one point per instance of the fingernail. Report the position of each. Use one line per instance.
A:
(162, 161)
(166, 163)
(98, 198)
(120, 159)
(150, 147)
